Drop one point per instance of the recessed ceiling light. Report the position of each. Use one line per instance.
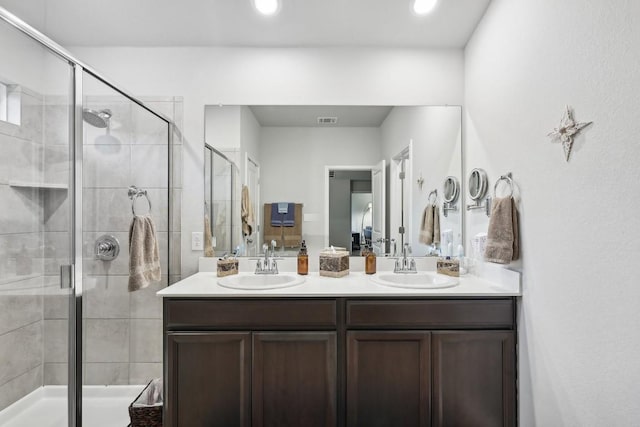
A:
(422, 7)
(266, 7)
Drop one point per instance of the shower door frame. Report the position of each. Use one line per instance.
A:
(78, 68)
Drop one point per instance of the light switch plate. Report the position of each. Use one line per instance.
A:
(197, 239)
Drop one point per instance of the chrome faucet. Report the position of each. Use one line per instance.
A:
(395, 248)
(405, 264)
(268, 264)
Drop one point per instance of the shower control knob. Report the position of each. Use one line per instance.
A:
(107, 248)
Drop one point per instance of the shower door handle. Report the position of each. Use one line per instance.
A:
(66, 276)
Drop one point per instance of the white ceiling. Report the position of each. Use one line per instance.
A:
(376, 23)
(307, 115)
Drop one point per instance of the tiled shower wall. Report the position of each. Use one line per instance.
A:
(122, 330)
(21, 251)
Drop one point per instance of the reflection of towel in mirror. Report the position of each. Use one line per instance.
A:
(430, 226)
(289, 219)
(246, 212)
(283, 214)
(269, 231)
(293, 234)
(144, 255)
(208, 238)
(502, 236)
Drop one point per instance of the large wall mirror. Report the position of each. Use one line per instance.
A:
(347, 176)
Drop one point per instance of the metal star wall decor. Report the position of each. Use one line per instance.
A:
(566, 131)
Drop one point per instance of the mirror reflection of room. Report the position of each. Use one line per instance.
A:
(339, 169)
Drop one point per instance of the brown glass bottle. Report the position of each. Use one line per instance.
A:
(303, 260)
(370, 262)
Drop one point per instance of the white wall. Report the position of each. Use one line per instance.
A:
(293, 166)
(253, 76)
(579, 320)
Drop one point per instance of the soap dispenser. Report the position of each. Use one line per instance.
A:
(303, 260)
(370, 262)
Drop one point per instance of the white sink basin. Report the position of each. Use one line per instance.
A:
(423, 280)
(255, 282)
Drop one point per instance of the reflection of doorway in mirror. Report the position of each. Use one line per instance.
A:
(252, 181)
(349, 213)
(361, 220)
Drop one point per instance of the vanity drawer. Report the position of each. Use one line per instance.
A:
(431, 314)
(181, 314)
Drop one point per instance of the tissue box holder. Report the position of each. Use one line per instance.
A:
(227, 267)
(334, 264)
(450, 267)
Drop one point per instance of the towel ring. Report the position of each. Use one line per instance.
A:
(134, 193)
(433, 193)
(509, 180)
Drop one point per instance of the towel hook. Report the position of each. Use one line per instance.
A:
(433, 193)
(135, 192)
(507, 177)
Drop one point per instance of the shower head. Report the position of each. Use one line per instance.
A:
(99, 119)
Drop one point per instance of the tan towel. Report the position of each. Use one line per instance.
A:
(246, 212)
(503, 234)
(293, 235)
(430, 226)
(208, 238)
(144, 255)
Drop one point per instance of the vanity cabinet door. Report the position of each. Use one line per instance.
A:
(294, 379)
(388, 378)
(208, 379)
(474, 378)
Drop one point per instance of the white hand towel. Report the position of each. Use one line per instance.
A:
(144, 255)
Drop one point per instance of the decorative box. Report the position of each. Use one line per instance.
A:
(448, 266)
(334, 263)
(227, 267)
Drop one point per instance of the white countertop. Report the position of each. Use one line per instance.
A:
(356, 284)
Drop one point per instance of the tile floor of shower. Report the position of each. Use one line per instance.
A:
(103, 406)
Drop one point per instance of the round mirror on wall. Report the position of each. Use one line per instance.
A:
(477, 184)
(451, 189)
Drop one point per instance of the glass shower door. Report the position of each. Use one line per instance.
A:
(36, 99)
(125, 176)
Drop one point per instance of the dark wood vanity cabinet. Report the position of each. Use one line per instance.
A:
(340, 362)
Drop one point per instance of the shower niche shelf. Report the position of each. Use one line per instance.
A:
(38, 185)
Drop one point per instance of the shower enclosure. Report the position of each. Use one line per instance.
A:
(71, 146)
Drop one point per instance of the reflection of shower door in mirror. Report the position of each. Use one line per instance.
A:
(252, 181)
(400, 199)
(378, 183)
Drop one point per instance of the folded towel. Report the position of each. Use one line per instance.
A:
(208, 238)
(269, 231)
(289, 218)
(276, 217)
(246, 212)
(144, 255)
(430, 225)
(282, 214)
(293, 235)
(503, 235)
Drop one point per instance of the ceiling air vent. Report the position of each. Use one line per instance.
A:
(332, 174)
(327, 120)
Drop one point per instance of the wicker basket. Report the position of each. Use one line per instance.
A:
(145, 416)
